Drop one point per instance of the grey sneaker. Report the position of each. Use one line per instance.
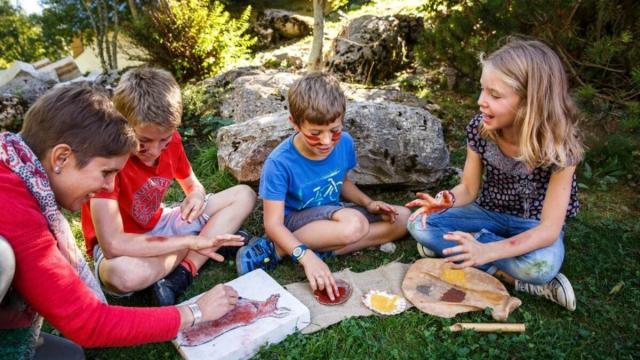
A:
(558, 290)
(425, 251)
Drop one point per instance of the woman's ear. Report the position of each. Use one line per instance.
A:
(59, 156)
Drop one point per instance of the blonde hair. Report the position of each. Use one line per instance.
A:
(547, 117)
(149, 96)
(317, 99)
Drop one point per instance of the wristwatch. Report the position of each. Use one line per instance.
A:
(299, 251)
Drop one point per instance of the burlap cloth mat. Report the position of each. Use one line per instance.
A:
(424, 284)
(385, 278)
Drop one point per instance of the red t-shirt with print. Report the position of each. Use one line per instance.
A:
(140, 189)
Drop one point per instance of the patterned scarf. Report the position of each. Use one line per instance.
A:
(22, 161)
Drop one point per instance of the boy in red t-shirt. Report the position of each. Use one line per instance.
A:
(134, 240)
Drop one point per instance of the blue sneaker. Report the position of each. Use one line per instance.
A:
(260, 253)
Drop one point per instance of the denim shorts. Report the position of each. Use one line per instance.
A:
(297, 219)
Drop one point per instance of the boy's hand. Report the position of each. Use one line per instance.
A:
(381, 207)
(193, 206)
(319, 274)
(429, 205)
(468, 252)
(209, 246)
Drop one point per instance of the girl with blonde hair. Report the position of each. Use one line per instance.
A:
(518, 186)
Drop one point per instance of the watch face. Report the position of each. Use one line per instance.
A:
(297, 252)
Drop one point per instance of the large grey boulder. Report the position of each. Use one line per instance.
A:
(23, 80)
(255, 95)
(370, 48)
(259, 94)
(396, 144)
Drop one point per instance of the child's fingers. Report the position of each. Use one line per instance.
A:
(465, 264)
(457, 258)
(329, 285)
(312, 283)
(212, 255)
(414, 203)
(453, 250)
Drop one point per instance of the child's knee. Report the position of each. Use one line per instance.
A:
(126, 281)
(245, 194)
(354, 227)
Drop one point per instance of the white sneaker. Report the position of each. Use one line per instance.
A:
(558, 290)
(425, 251)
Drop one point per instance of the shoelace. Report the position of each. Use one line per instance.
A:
(540, 290)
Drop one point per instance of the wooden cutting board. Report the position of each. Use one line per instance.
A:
(437, 289)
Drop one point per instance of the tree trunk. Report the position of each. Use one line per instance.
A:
(315, 57)
(99, 42)
(132, 8)
(114, 38)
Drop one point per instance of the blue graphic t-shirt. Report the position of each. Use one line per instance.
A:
(303, 183)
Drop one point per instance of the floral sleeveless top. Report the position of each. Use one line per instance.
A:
(508, 186)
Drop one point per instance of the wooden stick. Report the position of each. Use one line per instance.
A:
(490, 327)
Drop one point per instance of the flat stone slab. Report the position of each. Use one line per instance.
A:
(245, 341)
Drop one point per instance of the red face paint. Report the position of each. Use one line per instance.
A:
(335, 135)
(313, 140)
(157, 238)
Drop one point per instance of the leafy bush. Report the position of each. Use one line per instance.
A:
(21, 37)
(596, 39)
(192, 38)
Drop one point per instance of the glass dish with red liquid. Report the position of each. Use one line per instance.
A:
(344, 292)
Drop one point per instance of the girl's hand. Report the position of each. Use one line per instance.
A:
(193, 206)
(381, 207)
(319, 274)
(218, 301)
(429, 205)
(468, 252)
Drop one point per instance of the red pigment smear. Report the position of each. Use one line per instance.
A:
(335, 136)
(313, 140)
(157, 238)
(343, 293)
(453, 295)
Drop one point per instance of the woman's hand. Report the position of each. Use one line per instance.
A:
(209, 246)
(381, 207)
(468, 252)
(319, 274)
(193, 206)
(429, 205)
(216, 302)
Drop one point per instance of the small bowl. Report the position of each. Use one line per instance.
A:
(344, 289)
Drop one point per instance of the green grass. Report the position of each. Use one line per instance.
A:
(601, 261)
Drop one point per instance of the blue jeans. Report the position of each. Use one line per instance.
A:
(536, 267)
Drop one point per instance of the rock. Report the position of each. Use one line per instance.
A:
(370, 48)
(284, 61)
(24, 81)
(255, 95)
(12, 110)
(66, 69)
(223, 80)
(396, 144)
(265, 93)
(274, 25)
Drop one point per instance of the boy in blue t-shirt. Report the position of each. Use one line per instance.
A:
(302, 183)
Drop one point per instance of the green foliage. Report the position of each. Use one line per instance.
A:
(200, 118)
(193, 39)
(596, 39)
(21, 37)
